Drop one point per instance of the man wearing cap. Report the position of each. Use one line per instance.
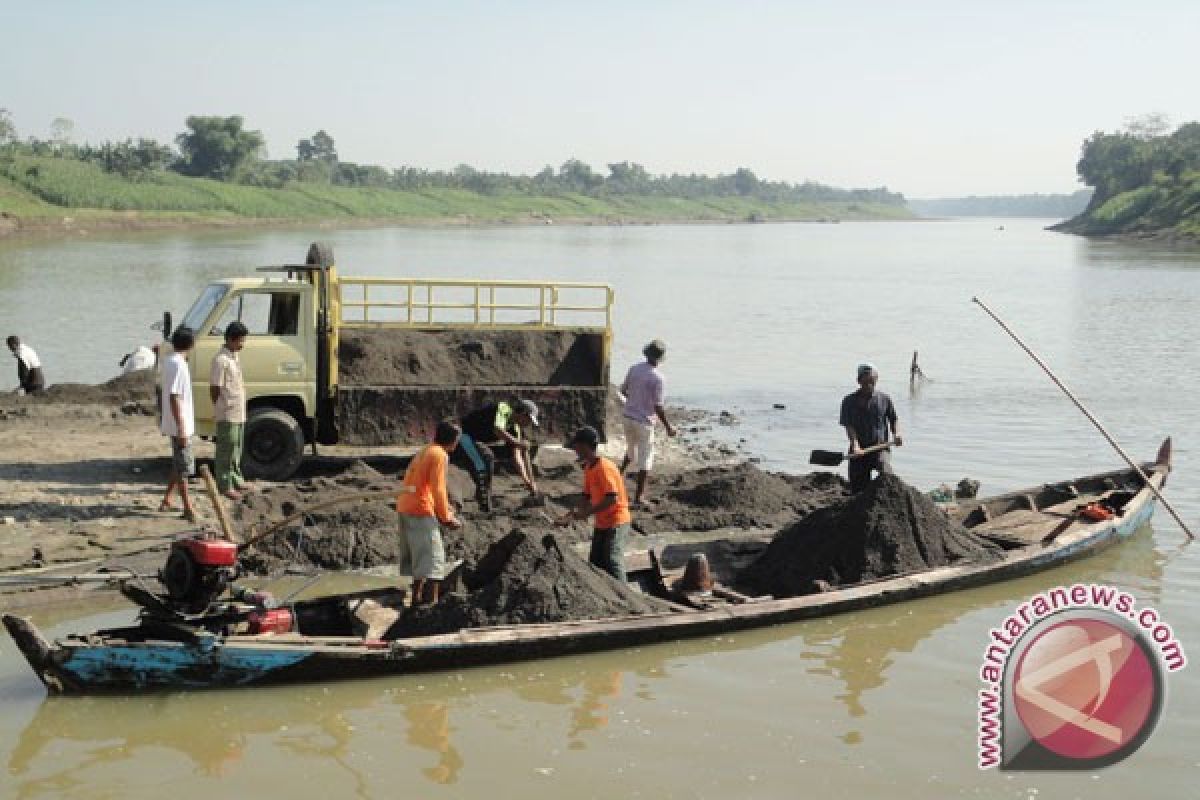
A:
(423, 507)
(867, 415)
(502, 425)
(604, 497)
(643, 388)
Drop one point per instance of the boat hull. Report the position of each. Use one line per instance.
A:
(109, 663)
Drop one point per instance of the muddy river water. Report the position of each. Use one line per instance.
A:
(868, 704)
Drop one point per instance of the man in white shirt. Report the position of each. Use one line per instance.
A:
(141, 358)
(228, 394)
(644, 390)
(30, 379)
(179, 420)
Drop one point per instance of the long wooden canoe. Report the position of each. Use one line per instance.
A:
(1038, 528)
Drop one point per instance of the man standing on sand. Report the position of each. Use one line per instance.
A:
(30, 379)
(867, 415)
(497, 425)
(603, 496)
(423, 505)
(644, 390)
(228, 394)
(179, 420)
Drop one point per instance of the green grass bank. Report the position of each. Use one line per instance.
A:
(1166, 208)
(44, 194)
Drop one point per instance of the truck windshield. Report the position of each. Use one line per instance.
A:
(203, 306)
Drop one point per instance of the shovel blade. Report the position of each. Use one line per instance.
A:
(826, 458)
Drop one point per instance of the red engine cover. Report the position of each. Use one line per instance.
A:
(277, 620)
(210, 552)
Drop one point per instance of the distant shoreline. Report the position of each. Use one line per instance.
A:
(88, 221)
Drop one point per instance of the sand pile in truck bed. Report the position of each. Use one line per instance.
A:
(398, 357)
(888, 529)
(522, 578)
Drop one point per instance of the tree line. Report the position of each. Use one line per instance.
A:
(1017, 205)
(222, 148)
(1146, 152)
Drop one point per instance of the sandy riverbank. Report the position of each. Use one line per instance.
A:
(90, 221)
(82, 473)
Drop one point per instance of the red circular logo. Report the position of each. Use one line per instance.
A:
(1084, 689)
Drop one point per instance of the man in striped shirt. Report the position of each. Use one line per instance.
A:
(423, 506)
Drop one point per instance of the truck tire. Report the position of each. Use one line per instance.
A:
(273, 446)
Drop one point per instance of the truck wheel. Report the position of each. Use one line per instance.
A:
(274, 445)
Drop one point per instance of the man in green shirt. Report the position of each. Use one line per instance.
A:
(497, 425)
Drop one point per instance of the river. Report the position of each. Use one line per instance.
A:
(874, 703)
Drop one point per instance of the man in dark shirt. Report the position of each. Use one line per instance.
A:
(867, 415)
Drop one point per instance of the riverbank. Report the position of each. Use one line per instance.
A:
(1165, 213)
(49, 204)
(83, 474)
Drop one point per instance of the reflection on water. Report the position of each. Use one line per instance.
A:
(429, 728)
(592, 712)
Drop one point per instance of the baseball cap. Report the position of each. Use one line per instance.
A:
(585, 435)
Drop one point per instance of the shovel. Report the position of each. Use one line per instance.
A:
(832, 458)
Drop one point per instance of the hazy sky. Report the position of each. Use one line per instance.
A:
(928, 98)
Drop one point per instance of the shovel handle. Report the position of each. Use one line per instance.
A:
(866, 451)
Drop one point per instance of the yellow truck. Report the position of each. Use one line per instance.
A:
(378, 361)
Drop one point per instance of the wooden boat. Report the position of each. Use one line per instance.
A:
(1038, 528)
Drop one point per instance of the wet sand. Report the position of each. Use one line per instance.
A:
(82, 483)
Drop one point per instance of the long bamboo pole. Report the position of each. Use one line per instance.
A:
(1091, 418)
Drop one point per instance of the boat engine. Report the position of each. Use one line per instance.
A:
(198, 570)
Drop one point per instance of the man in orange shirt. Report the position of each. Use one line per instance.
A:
(423, 506)
(603, 496)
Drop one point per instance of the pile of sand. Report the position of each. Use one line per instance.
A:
(134, 392)
(888, 529)
(347, 536)
(364, 534)
(359, 534)
(738, 496)
(524, 578)
(469, 358)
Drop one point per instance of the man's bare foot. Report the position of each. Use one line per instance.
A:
(189, 514)
(232, 494)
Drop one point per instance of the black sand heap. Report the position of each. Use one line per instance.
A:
(889, 529)
(346, 536)
(737, 496)
(469, 358)
(526, 578)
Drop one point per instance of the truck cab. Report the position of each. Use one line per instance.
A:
(277, 364)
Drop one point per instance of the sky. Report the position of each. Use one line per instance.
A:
(925, 97)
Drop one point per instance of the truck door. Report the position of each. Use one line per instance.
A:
(274, 360)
